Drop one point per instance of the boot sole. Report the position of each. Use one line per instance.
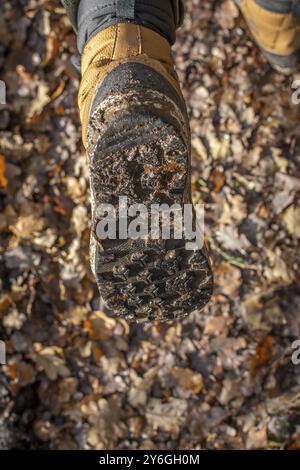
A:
(139, 149)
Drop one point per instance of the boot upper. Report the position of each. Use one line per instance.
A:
(116, 45)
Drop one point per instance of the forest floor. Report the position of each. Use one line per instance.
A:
(223, 377)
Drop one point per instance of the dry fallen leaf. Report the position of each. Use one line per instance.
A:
(100, 326)
(226, 14)
(277, 270)
(234, 210)
(44, 430)
(168, 416)
(215, 326)
(67, 388)
(25, 373)
(217, 176)
(3, 179)
(188, 379)
(263, 354)
(291, 218)
(28, 226)
(41, 100)
(231, 240)
(5, 302)
(50, 360)
(228, 277)
(257, 438)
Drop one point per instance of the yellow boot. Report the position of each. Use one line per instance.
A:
(275, 26)
(136, 132)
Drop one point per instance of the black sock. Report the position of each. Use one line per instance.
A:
(163, 16)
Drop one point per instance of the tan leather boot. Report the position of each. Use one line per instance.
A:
(275, 26)
(136, 132)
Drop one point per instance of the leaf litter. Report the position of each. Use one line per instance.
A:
(77, 379)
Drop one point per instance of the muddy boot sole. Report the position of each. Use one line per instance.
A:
(139, 148)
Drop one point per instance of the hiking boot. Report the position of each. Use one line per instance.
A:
(136, 132)
(275, 26)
